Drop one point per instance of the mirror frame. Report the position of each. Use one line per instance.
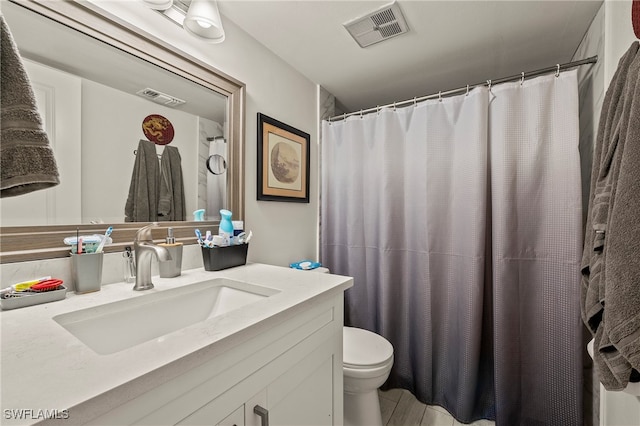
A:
(25, 243)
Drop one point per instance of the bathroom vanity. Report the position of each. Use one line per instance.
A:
(251, 345)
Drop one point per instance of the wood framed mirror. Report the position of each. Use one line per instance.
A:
(24, 242)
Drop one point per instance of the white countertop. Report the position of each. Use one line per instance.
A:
(44, 367)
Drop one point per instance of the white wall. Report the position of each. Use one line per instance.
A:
(618, 34)
(591, 95)
(591, 88)
(283, 232)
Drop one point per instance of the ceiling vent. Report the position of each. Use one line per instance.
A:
(384, 23)
(160, 98)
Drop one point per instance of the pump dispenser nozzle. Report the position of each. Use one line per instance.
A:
(173, 267)
(170, 238)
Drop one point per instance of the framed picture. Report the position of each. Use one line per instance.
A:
(283, 162)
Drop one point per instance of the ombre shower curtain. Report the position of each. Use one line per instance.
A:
(460, 221)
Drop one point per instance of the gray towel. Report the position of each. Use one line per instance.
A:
(156, 192)
(26, 159)
(142, 201)
(610, 263)
(171, 203)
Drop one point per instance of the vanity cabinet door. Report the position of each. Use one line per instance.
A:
(304, 394)
(242, 416)
(298, 389)
(234, 419)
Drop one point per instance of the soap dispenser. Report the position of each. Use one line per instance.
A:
(173, 267)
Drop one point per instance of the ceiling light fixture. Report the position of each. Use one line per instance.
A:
(203, 21)
(200, 18)
(159, 4)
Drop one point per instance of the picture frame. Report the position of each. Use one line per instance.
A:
(283, 161)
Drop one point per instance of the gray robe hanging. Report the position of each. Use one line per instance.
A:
(156, 192)
(611, 256)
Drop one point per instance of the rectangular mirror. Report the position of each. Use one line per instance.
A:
(103, 89)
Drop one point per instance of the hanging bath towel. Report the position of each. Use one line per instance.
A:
(610, 263)
(171, 203)
(27, 161)
(156, 192)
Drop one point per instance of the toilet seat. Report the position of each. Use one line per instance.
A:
(363, 349)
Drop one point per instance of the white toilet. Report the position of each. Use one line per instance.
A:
(367, 359)
(366, 363)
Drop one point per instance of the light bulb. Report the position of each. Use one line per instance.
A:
(159, 4)
(203, 21)
(203, 24)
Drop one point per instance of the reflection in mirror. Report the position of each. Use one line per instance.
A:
(94, 98)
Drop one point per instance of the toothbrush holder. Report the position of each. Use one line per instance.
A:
(86, 272)
(218, 258)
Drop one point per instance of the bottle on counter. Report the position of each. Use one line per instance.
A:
(173, 267)
(226, 226)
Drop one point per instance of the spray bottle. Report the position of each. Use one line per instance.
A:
(226, 226)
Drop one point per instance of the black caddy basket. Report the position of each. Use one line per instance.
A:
(217, 258)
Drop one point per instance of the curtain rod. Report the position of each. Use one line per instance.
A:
(557, 68)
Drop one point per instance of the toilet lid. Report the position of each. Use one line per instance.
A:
(364, 349)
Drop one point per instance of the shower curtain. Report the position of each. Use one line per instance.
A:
(460, 221)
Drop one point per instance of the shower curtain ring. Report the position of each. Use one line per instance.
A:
(521, 78)
(467, 94)
(558, 70)
(344, 116)
(415, 101)
(378, 109)
(361, 116)
(394, 107)
(440, 96)
(489, 84)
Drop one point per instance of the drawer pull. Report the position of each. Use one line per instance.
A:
(263, 413)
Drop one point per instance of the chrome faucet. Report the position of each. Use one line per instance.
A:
(144, 249)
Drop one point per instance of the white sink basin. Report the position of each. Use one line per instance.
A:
(120, 325)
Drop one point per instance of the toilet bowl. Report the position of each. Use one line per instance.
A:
(367, 361)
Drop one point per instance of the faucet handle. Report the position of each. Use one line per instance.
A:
(144, 233)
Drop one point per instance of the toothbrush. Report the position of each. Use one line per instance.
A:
(24, 285)
(104, 239)
(199, 235)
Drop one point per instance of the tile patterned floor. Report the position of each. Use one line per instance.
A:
(400, 408)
